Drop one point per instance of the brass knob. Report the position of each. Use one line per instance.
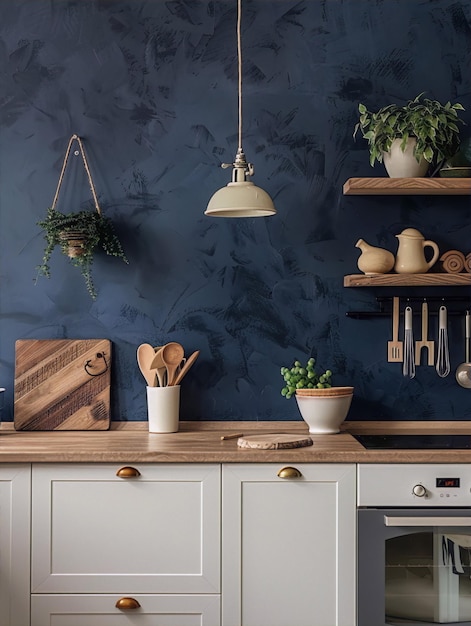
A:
(289, 472)
(128, 472)
(127, 603)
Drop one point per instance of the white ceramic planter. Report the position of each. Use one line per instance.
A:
(324, 415)
(401, 164)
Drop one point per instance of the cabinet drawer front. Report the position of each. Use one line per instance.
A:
(100, 610)
(153, 532)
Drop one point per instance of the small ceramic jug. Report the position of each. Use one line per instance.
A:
(410, 257)
(374, 260)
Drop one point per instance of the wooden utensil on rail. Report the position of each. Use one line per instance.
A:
(395, 347)
(424, 342)
(189, 362)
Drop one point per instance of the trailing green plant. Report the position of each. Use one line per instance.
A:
(304, 377)
(432, 124)
(89, 230)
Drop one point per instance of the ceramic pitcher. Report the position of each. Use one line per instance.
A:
(410, 257)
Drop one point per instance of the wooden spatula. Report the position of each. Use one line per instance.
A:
(189, 362)
(424, 343)
(395, 347)
(145, 354)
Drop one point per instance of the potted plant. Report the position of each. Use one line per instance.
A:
(423, 132)
(79, 235)
(322, 406)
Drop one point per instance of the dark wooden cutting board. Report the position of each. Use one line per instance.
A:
(62, 384)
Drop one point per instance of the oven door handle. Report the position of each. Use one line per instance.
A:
(426, 521)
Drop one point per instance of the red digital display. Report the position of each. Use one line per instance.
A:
(448, 482)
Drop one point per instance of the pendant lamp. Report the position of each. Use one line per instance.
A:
(240, 197)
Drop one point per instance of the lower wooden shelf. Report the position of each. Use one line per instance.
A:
(408, 280)
(383, 186)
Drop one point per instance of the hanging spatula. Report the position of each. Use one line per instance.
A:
(395, 347)
(424, 342)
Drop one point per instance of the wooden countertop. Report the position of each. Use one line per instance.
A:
(200, 442)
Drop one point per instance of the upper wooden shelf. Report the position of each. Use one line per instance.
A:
(407, 280)
(407, 186)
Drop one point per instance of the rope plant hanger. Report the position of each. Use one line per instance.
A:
(78, 234)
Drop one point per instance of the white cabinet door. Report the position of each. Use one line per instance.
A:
(288, 546)
(15, 498)
(100, 610)
(96, 532)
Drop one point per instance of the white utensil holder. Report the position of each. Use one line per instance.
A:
(163, 409)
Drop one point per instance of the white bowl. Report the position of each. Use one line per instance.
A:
(324, 415)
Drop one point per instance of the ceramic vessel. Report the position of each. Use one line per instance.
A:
(324, 414)
(76, 241)
(163, 409)
(374, 260)
(410, 257)
(401, 164)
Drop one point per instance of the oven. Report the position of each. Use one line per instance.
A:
(414, 544)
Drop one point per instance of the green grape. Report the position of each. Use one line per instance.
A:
(284, 391)
(297, 364)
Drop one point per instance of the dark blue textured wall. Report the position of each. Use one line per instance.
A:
(151, 86)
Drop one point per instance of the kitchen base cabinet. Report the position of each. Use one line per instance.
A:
(188, 544)
(101, 610)
(288, 545)
(15, 498)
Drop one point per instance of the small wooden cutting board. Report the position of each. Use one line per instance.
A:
(274, 441)
(62, 384)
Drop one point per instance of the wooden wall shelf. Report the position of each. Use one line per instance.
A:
(407, 186)
(408, 280)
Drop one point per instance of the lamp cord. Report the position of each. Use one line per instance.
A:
(239, 59)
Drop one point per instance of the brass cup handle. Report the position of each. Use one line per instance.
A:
(127, 603)
(289, 472)
(128, 472)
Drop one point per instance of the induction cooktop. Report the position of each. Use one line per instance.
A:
(415, 442)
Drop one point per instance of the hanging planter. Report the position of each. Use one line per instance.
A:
(79, 234)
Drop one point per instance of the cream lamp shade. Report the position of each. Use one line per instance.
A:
(240, 198)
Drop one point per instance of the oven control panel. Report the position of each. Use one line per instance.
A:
(418, 485)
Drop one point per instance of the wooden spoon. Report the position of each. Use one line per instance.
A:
(172, 354)
(145, 354)
(159, 366)
(189, 362)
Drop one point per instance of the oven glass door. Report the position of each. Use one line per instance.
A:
(414, 567)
